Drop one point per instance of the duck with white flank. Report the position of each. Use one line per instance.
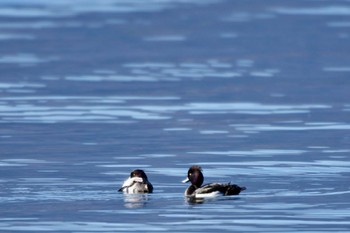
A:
(195, 190)
(137, 183)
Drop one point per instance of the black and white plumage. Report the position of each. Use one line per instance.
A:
(196, 189)
(137, 183)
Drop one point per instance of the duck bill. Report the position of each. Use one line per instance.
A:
(185, 180)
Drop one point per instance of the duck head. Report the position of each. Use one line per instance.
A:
(195, 175)
(139, 173)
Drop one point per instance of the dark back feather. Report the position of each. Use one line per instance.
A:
(225, 189)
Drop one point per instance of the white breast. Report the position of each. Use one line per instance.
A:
(134, 185)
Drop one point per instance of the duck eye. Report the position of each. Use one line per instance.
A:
(190, 174)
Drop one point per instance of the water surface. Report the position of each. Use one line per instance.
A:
(255, 92)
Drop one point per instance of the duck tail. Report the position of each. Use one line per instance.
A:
(233, 189)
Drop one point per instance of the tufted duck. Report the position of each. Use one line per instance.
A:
(195, 190)
(137, 183)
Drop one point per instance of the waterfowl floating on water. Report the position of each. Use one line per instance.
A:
(137, 183)
(196, 190)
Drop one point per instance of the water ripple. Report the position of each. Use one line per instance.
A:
(26, 59)
(327, 10)
(66, 8)
(51, 109)
(90, 226)
(300, 127)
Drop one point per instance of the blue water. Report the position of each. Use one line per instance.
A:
(255, 92)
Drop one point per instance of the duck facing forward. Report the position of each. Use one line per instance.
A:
(196, 189)
(137, 183)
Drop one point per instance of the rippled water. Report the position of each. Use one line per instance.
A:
(256, 92)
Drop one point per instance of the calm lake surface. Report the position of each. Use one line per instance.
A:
(255, 92)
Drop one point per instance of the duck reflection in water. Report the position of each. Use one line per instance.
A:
(135, 200)
(196, 193)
